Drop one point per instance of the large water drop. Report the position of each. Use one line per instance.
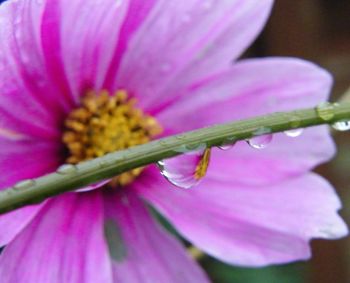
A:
(186, 170)
(341, 126)
(260, 142)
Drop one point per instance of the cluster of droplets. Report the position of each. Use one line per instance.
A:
(326, 112)
(188, 169)
(181, 170)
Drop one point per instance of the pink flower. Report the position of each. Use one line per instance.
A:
(175, 57)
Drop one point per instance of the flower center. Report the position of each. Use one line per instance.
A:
(105, 124)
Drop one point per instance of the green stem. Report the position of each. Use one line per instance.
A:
(69, 177)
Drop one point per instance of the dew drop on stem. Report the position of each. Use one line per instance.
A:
(186, 170)
(342, 126)
(25, 184)
(325, 111)
(260, 142)
(294, 132)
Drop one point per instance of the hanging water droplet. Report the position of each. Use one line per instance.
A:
(294, 133)
(229, 143)
(260, 142)
(67, 169)
(25, 184)
(342, 125)
(325, 111)
(226, 146)
(186, 170)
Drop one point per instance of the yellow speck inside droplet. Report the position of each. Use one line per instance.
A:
(203, 164)
(106, 123)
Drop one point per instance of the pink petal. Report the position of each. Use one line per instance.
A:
(186, 40)
(27, 92)
(25, 158)
(14, 222)
(252, 226)
(137, 12)
(79, 40)
(51, 53)
(251, 88)
(146, 254)
(64, 243)
(283, 158)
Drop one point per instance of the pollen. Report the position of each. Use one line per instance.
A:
(106, 123)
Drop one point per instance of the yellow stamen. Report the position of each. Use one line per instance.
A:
(203, 164)
(104, 124)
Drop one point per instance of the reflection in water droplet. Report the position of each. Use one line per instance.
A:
(67, 169)
(186, 170)
(226, 146)
(229, 143)
(341, 126)
(260, 142)
(25, 184)
(294, 133)
(325, 111)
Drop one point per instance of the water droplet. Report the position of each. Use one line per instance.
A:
(186, 170)
(294, 133)
(67, 169)
(102, 164)
(180, 137)
(260, 142)
(25, 184)
(163, 143)
(342, 125)
(262, 131)
(229, 143)
(325, 111)
(226, 146)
